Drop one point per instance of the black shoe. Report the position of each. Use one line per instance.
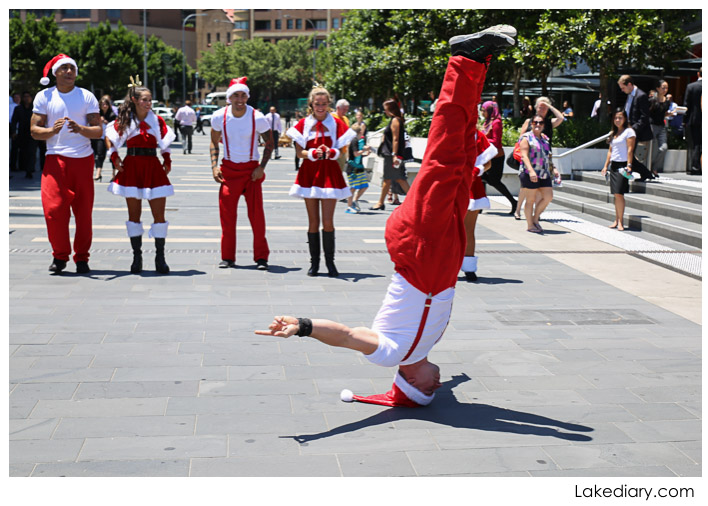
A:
(470, 276)
(277, 157)
(82, 268)
(136, 243)
(225, 264)
(262, 265)
(328, 244)
(513, 208)
(160, 263)
(382, 207)
(313, 242)
(57, 266)
(478, 46)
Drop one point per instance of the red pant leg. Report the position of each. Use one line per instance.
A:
(236, 177)
(56, 201)
(425, 236)
(256, 215)
(81, 182)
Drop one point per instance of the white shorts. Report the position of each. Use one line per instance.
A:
(399, 318)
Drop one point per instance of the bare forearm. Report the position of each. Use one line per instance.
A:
(214, 154)
(41, 133)
(335, 334)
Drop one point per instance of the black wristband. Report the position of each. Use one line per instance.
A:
(304, 327)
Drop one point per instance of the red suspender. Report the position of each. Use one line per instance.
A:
(424, 319)
(253, 135)
(226, 137)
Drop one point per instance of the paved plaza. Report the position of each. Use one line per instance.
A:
(569, 357)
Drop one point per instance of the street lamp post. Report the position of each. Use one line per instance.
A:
(184, 58)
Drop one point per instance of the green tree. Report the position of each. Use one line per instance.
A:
(32, 44)
(614, 41)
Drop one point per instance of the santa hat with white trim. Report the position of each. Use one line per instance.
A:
(237, 84)
(54, 64)
(401, 394)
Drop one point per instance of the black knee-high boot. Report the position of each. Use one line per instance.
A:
(160, 264)
(137, 244)
(328, 246)
(313, 240)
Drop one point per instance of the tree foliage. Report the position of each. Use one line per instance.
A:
(106, 56)
(276, 70)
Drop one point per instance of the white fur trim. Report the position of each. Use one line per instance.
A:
(63, 61)
(469, 264)
(346, 138)
(320, 193)
(336, 154)
(237, 87)
(347, 395)
(134, 229)
(134, 129)
(158, 230)
(296, 136)
(412, 392)
(44, 81)
(476, 204)
(311, 154)
(133, 192)
(485, 156)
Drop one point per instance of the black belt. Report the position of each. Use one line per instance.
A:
(142, 152)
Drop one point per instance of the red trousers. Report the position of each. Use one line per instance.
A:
(425, 236)
(67, 186)
(237, 182)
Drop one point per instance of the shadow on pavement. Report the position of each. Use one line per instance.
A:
(489, 281)
(447, 410)
(354, 277)
(98, 274)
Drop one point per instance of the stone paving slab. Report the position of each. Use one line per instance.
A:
(550, 365)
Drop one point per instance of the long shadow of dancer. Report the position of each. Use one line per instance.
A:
(447, 410)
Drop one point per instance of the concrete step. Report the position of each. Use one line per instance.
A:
(678, 230)
(673, 186)
(652, 204)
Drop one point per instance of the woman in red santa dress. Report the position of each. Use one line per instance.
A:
(318, 139)
(141, 175)
(478, 201)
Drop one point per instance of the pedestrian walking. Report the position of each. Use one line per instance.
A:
(392, 149)
(356, 172)
(319, 138)
(99, 145)
(274, 121)
(187, 118)
(140, 174)
(20, 129)
(67, 118)
(238, 126)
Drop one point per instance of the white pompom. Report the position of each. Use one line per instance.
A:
(44, 81)
(347, 395)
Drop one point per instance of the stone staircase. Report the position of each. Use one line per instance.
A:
(669, 207)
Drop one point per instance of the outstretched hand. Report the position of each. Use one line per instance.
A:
(282, 326)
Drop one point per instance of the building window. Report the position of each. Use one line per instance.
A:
(278, 24)
(75, 13)
(208, 38)
(320, 24)
(262, 24)
(335, 23)
(241, 25)
(289, 24)
(318, 43)
(113, 14)
(298, 24)
(218, 37)
(42, 13)
(228, 38)
(147, 20)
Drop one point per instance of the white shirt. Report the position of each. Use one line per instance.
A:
(595, 108)
(76, 104)
(239, 132)
(619, 145)
(274, 121)
(186, 116)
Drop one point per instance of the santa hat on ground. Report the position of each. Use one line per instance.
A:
(238, 84)
(402, 394)
(54, 64)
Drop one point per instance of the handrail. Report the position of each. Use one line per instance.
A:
(582, 146)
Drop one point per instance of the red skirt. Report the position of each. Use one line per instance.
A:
(142, 177)
(322, 179)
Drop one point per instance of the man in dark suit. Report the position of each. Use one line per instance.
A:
(693, 124)
(637, 108)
